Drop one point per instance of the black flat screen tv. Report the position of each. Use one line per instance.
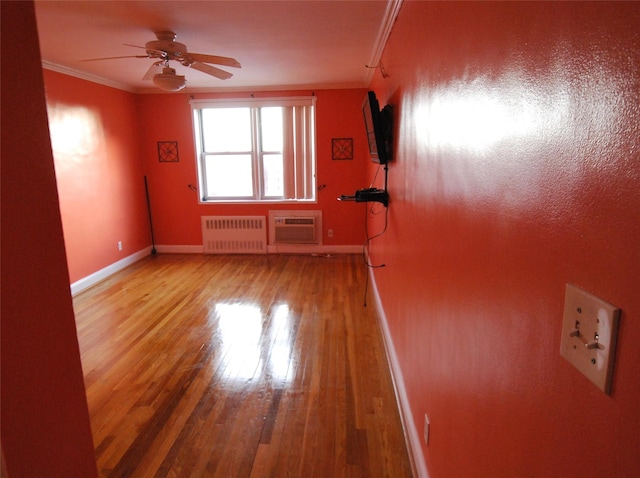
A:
(379, 128)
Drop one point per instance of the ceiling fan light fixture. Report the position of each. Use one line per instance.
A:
(169, 81)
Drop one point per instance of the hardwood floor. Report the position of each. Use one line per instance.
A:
(238, 366)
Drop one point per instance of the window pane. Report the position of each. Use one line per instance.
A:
(226, 130)
(273, 175)
(229, 176)
(271, 121)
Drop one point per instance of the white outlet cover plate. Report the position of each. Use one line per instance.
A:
(588, 319)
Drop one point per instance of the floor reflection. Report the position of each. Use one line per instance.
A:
(280, 361)
(253, 346)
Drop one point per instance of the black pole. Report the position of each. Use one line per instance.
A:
(153, 242)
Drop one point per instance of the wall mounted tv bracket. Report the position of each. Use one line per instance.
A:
(368, 195)
(371, 194)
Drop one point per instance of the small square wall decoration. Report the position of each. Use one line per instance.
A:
(342, 148)
(168, 151)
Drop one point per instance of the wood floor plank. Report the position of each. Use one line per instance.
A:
(238, 366)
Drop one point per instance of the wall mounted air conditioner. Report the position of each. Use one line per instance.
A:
(295, 227)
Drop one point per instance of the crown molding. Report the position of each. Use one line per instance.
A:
(47, 65)
(393, 8)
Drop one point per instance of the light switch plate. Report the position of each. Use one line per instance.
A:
(589, 333)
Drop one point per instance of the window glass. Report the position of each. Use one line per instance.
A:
(273, 175)
(226, 130)
(271, 122)
(229, 175)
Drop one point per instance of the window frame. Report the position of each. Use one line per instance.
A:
(299, 149)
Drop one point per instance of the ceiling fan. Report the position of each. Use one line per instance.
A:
(166, 49)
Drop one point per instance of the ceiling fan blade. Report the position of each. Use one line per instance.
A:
(216, 60)
(211, 70)
(116, 57)
(158, 53)
(153, 69)
(135, 46)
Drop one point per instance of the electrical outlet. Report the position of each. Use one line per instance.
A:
(425, 430)
(119, 245)
(589, 333)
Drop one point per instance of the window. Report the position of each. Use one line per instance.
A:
(256, 150)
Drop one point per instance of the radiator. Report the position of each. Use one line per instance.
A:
(295, 227)
(234, 234)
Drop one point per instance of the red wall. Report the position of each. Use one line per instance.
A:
(100, 174)
(45, 422)
(517, 171)
(105, 142)
(176, 212)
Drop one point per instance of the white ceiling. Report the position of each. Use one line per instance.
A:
(302, 44)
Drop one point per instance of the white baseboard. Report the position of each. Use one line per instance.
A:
(273, 249)
(199, 249)
(102, 274)
(312, 249)
(412, 436)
